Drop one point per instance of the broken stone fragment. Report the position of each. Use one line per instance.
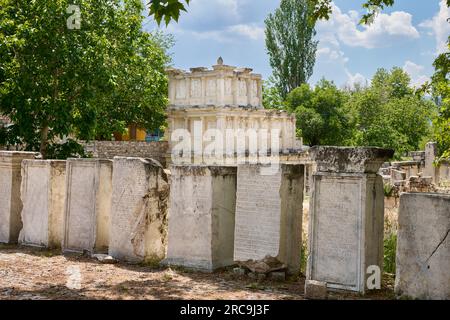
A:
(267, 265)
(316, 290)
(104, 258)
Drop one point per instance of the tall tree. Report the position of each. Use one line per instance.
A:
(77, 72)
(389, 114)
(321, 118)
(290, 44)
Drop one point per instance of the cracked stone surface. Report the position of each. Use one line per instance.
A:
(423, 247)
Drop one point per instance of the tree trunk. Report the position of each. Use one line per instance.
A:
(44, 141)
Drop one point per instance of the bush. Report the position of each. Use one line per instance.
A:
(390, 247)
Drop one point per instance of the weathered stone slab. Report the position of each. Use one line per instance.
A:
(10, 202)
(201, 219)
(423, 246)
(269, 210)
(88, 205)
(139, 210)
(346, 216)
(43, 193)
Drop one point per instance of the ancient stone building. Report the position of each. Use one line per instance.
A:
(228, 99)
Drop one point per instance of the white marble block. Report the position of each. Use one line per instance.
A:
(88, 205)
(43, 192)
(269, 209)
(423, 246)
(346, 216)
(139, 210)
(10, 202)
(201, 217)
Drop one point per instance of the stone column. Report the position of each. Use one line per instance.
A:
(138, 210)
(235, 90)
(88, 205)
(248, 83)
(201, 218)
(346, 216)
(43, 192)
(269, 209)
(423, 246)
(10, 202)
(430, 155)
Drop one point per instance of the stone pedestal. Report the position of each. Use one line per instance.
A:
(139, 210)
(423, 246)
(88, 205)
(201, 219)
(269, 214)
(346, 216)
(43, 192)
(10, 202)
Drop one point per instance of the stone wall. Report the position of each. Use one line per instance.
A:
(423, 246)
(201, 218)
(43, 191)
(88, 205)
(109, 149)
(10, 202)
(138, 210)
(269, 214)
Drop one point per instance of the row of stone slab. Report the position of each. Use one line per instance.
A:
(80, 205)
(215, 216)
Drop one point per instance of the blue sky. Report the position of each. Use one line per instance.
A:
(408, 35)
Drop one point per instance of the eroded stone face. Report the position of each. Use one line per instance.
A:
(347, 159)
(201, 219)
(423, 246)
(346, 216)
(10, 202)
(269, 214)
(139, 210)
(88, 205)
(43, 193)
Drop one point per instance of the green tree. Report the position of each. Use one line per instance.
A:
(388, 114)
(321, 118)
(290, 44)
(440, 85)
(271, 95)
(58, 82)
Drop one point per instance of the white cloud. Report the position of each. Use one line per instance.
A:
(251, 31)
(354, 80)
(415, 71)
(384, 31)
(439, 27)
(331, 55)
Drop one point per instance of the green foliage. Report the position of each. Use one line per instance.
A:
(390, 248)
(388, 189)
(166, 9)
(440, 83)
(290, 44)
(271, 96)
(321, 117)
(57, 82)
(388, 114)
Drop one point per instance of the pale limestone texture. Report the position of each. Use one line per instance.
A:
(269, 210)
(222, 109)
(43, 192)
(10, 202)
(346, 216)
(222, 86)
(88, 205)
(423, 246)
(201, 217)
(139, 210)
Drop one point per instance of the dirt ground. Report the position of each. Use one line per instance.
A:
(33, 274)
